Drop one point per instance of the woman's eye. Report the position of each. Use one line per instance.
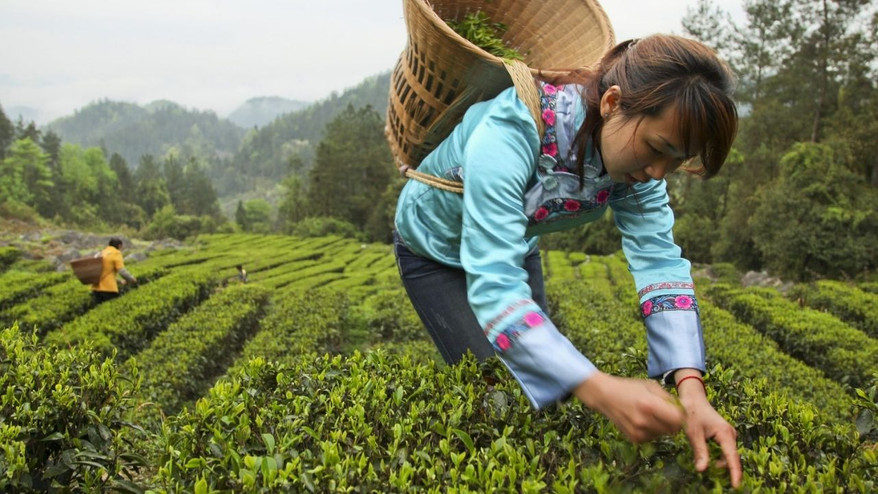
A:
(653, 150)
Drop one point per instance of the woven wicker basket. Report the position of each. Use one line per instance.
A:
(440, 74)
(87, 269)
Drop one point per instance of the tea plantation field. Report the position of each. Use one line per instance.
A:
(316, 376)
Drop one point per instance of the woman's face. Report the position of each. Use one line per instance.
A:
(639, 149)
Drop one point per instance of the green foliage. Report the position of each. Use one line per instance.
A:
(478, 29)
(166, 223)
(321, 227)
(353, 167)
(152, 188)
(843, 300)
(126, 325)
(53, 306)
(7, 132)
(818, 220)
(294, 406)
(264, 155)
(8, 256)
(180, 363)
(254, 216)
(387, 315)
(133, 131)
(867, 418)
(821, 340)
(25, 178)
(64, 420)
(17, 285)
(600, 237)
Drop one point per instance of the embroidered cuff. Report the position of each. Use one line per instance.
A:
(503, 338)
(664, 303)
(678, 286)
(547, 366)
(674, 337)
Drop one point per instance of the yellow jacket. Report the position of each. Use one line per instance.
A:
(112, 264)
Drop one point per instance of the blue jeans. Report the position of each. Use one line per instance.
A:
(438, 294)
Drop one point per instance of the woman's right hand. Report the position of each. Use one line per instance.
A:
(640, 408)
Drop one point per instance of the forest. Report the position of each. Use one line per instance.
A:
(796, 198)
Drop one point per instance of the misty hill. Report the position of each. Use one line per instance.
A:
(265, 154)
(257, 112)
(133, 130)
(25, 113)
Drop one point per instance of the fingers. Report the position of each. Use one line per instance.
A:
(704, 424)
(668, 415)
(727, 440)
(699, 446)
(655, 415)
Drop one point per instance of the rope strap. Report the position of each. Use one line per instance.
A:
(527, 93)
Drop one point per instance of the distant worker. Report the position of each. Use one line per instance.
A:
(112, 264)
(242, 273)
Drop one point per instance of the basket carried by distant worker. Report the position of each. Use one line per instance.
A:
(440, 74)
(87, 269)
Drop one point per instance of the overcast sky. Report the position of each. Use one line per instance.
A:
(60, 55)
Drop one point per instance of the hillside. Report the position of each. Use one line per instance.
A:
(257, 112)
(317, 376)
(133, 131)
(264, 155)
(242, 161)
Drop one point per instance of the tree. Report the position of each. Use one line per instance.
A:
(151, 190)
(27, 131)
(711, 25)
(90, 187)
(7, 133)
(175, 182)
(352, 169)
(25, 178)
(293, 205)
(201, 198)
(241, 217)
(819, 220)
(254, 216)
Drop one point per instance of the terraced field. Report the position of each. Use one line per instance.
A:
(317, 376)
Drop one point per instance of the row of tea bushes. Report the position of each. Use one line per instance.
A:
(309, 323)
(61, 303)
(125, 325)
(64, 420)
(821, 340)
(8, 256)
(604, 313)
(181, 361)
(17, 285)
(384, 316)
(844, 301)
(376, 422)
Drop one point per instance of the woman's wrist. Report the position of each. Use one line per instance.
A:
(689, 383)
(590, 391)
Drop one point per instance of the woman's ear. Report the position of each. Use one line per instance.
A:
(610, 101)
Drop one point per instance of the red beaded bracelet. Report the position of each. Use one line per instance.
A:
(691, 377)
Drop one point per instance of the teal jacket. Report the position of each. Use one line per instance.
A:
(511, 195)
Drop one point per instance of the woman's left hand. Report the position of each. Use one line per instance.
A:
(703, 423)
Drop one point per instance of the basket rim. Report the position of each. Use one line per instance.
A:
(607, 30)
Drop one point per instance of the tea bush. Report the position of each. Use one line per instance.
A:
(63, 420)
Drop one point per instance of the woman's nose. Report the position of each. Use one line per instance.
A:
(657, 170)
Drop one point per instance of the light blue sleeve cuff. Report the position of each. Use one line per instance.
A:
(547, 366)
(675, 341)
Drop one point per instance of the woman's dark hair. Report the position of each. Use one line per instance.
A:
(663, 71)
(115, 242)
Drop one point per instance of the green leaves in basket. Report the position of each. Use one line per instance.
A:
(477, 28)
